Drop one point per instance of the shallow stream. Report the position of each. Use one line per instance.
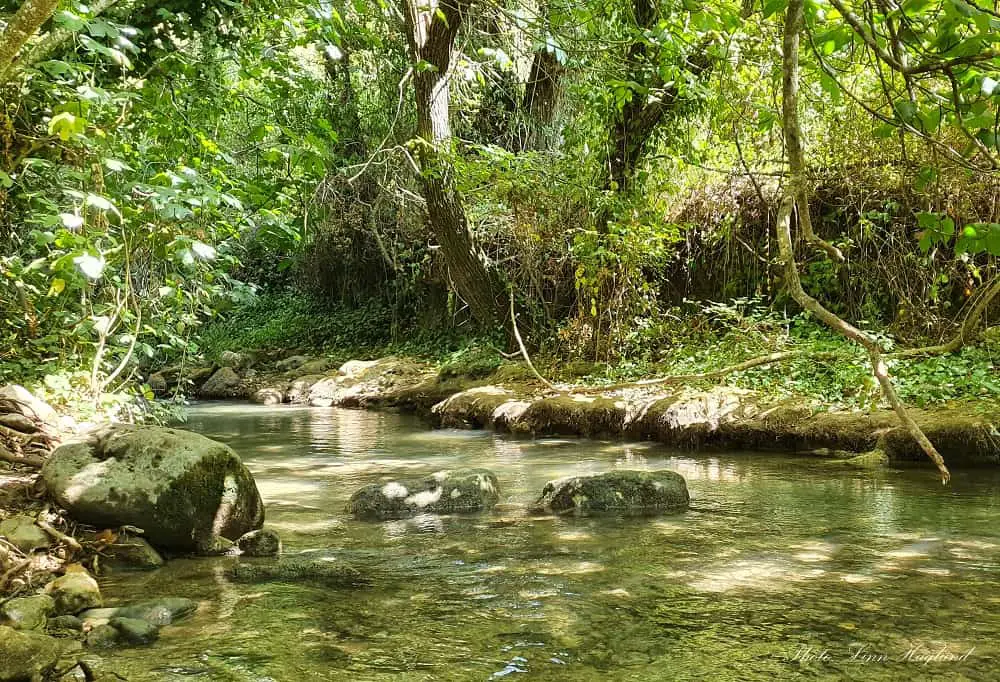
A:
(783, 568)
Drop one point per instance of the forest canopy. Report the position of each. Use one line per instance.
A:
(657, 186)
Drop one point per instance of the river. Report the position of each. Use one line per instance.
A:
(783, 568)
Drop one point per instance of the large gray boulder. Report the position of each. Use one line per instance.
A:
(623, 492)
(225, 383)
(445, 492)
(184, 490)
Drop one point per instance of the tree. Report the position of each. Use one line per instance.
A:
(431, 30)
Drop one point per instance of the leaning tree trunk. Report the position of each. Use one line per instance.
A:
(24, 24)
(431, 29)
(796, 200)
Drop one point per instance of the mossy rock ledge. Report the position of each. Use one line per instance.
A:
(444, 492)
(621, 492)
(184, 490)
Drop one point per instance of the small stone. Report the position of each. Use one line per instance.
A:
(158, 384)
(27, 613)
(102, 637)
(64, 623)
(260, 543)
(22, 532)
(269, 395)
(133, 554)
(27, 655)
(74, 592)
(232, 359)
(135, 630)
(293, 362)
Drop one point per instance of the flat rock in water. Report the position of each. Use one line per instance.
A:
(135, 630)
(22, 532)
(623, 492)
(102, 637)
(183, 489)
(157, 612)
(28, 655)
(299, 570)
(444, 492)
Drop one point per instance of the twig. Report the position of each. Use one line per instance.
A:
(524, 351)
(56, 534)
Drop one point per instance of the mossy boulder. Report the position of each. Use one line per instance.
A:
(22, 532)
(444, 492)
(74, 592)
(28, 656)
(135, 630)
(27, 613)
(260, 543)
(622, 492)
(184, 490)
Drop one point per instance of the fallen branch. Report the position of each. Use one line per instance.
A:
(966, 333)
(9, 575)
(24, 460)
(524, 351)
(57, 535)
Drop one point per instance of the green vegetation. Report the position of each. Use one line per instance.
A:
(655, 187)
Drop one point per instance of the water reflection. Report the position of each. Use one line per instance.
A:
(775, 554)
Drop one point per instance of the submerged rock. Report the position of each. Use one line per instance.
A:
(225, 383)
(628, 492)
(157, 612)
(68, 623)
(102, 637)
(22, 532)
(183, 489)
(27, 655)
(299, 570)
(445, 492)
(260, 543)
(74, 592)
(135, 630)
(27, 613)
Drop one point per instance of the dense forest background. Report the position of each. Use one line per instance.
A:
(182, 178)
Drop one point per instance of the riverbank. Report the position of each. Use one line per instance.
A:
(509, 398)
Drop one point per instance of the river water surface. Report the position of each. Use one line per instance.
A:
(783, 568)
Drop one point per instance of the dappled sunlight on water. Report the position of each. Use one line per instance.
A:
(776, 555)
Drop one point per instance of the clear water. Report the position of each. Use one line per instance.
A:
(784, 568)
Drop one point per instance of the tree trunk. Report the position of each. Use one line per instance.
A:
(431, 30)
(24, 24)
(796, 199)
(541, 97)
